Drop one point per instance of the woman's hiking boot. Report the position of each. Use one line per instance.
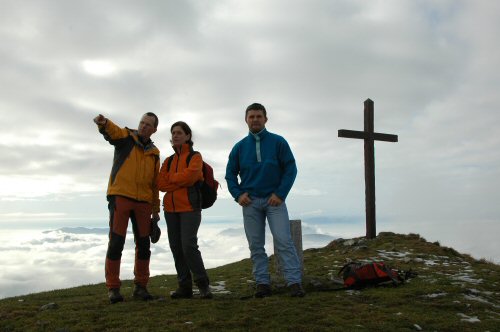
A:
(205, 293)
(184, 291)
(204, 288)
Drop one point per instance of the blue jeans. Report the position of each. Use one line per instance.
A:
(254, 220)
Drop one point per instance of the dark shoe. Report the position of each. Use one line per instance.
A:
(182, 293)
(141, 293)
(114, 295)
(205, 292)
(262, 290)
(204, 288)
(296, 290)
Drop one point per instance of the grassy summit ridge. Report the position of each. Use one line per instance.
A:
(452, 292)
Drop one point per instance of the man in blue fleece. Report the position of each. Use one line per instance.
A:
(267, 170)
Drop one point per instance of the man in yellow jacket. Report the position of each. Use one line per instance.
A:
(132, 193)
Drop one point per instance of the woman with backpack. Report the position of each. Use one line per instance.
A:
(179, 177)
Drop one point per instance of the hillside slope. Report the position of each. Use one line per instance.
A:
(452, 292)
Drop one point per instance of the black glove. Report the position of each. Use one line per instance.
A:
(155, 231)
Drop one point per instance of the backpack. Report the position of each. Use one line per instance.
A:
(358, 275)
(208, 187)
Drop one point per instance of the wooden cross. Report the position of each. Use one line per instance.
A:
(369, 136)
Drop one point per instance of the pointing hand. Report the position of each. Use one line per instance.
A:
(100, 120)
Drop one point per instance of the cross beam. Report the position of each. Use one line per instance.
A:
(369, 136)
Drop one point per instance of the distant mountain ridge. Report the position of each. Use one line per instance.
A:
(81, 230)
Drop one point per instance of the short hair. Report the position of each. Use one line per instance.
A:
(185, 128)
(154, 116)
(256, 107)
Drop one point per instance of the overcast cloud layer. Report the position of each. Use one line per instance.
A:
(430, 67)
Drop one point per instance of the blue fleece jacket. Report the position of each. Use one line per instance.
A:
(275, 173)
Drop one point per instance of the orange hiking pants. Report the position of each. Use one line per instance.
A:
(121, 209)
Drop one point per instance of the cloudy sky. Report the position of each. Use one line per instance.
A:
(429, 66)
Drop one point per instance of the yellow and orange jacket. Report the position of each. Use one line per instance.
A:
(135, 165)
(179, 181)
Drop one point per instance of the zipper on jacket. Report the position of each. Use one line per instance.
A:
(176, 168)
(173, 203)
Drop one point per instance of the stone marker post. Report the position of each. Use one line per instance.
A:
(296, 230)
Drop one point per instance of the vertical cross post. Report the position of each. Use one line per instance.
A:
(369, 136)
(369, 171)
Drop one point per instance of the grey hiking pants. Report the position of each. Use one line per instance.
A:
(182, 235)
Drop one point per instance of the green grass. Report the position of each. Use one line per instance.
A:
(449, 288)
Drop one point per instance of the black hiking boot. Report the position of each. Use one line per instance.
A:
(114, 295)
(182, 292)
(296, 290)
(205, 293)
(141, 293)
(262, 290)
(204, 289)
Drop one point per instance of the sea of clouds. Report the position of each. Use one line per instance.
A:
(34, 261)
(63, 256)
